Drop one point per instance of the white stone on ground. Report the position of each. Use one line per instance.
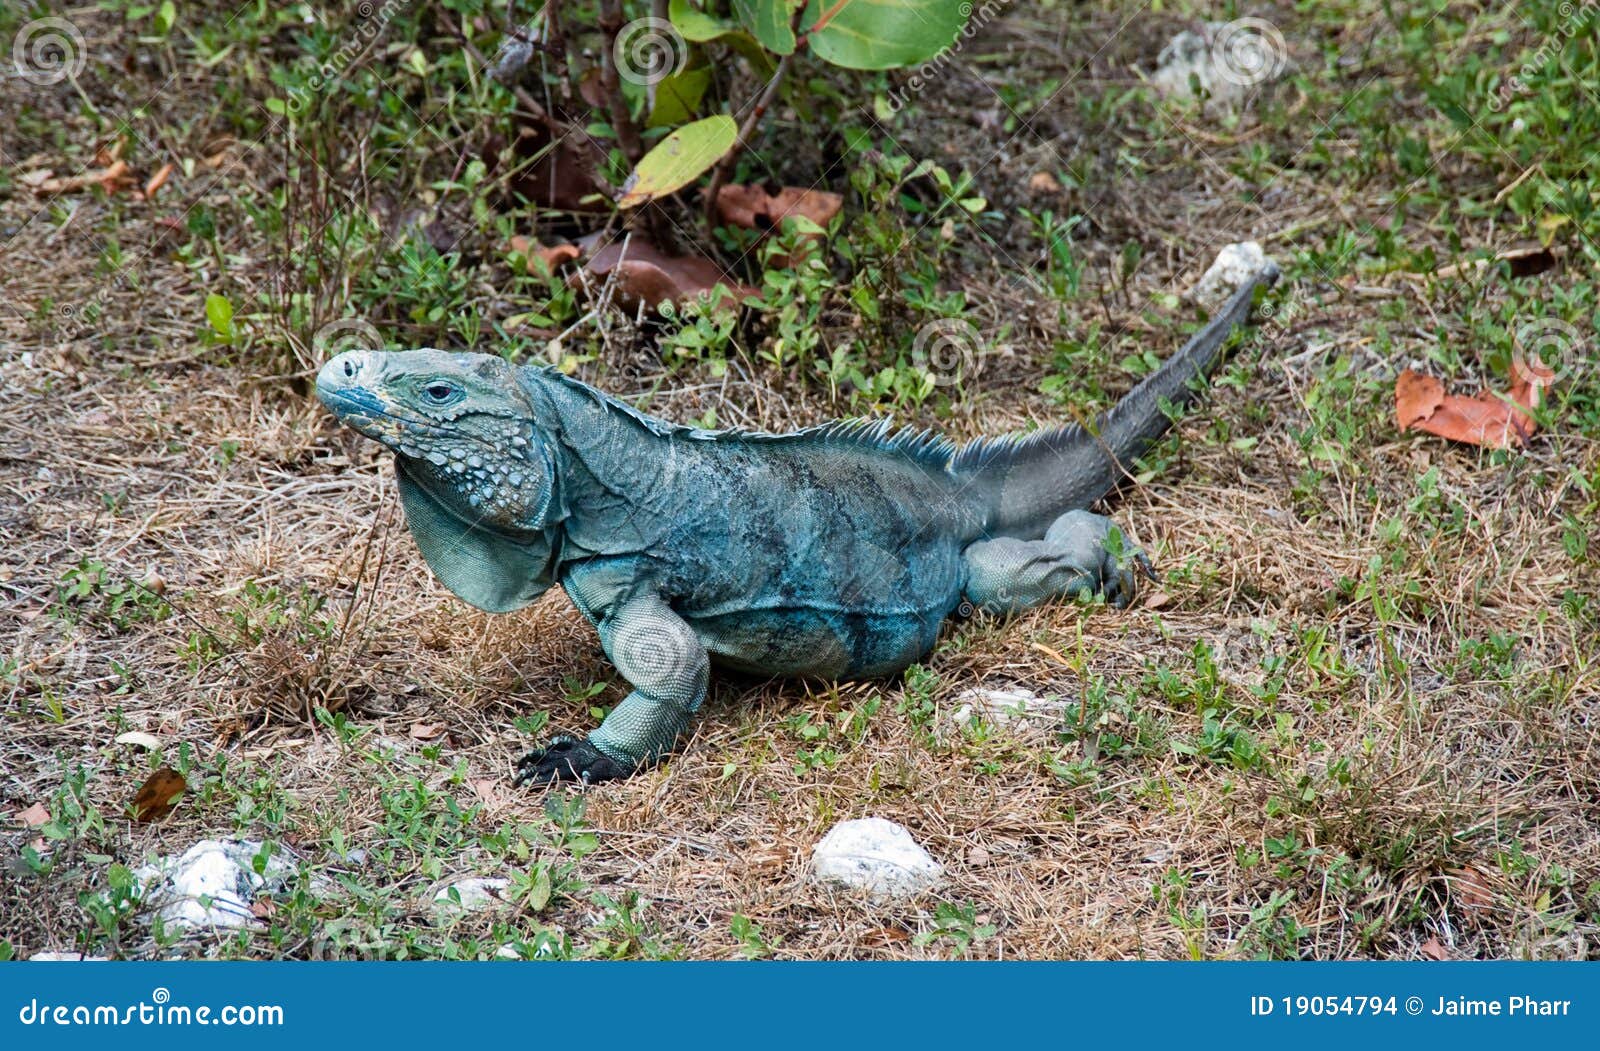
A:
(1234, 265)
(213, 884)
(66, 957)
(1018, 709)
(876, 856)
(475, 892)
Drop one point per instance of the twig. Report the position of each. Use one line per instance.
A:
(719, 175)
(621, 119)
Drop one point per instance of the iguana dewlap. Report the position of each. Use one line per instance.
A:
(835, 551)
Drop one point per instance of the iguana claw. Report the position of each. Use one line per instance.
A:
(567, 759)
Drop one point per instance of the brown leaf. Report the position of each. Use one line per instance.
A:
(34, 816)
(754, 208)
(263, 908)
(1421, 404)
(158, 795)
(1433, 950)
(1471, 887)
(592, 88)
(159, 179)
(111, 178)
(645, 274)
(552, 255)
(560, 176)
(423, 731)
(1044, 182)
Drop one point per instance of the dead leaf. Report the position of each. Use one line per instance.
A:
(423, 731)
(1433, 950)
(1471, 887)
(34, 179)
(146, 741)
(1486, 419)
(753, 208)
(1157, 600)
(552, 255)
(158, 795)
(1044, 182)
(1525, 261)
(111, 179)
(34, 816)
(592, 88)
(263, 908)
(159, 179)
(559, 175)
(645, 274)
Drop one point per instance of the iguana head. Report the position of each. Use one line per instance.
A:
(477, 480)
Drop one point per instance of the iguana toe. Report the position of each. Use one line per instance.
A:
(568, 759)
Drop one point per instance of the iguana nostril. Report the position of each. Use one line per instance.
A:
(349, 369)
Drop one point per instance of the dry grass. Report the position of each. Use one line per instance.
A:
(1404, 794)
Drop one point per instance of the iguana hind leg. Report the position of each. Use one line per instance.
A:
(661, 656)
(1082, 554)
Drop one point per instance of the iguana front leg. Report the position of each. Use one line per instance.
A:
(659, 654)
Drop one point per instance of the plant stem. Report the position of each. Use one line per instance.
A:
(621, 119)
(746, 133)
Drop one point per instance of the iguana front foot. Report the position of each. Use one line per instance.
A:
(568, 759)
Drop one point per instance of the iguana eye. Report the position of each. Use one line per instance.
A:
(438, 391)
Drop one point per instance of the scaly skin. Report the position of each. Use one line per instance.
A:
(836, 551)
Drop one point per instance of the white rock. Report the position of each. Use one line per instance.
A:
(876, 856)
(1235, 265)
(212, 884)
(67, 957)
(476, 892)
(1015, 709)
(1227, 59)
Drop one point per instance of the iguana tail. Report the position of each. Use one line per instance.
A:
(1031, 480)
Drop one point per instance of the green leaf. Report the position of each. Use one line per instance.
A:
(768, 21)
(883, 34)
(694, 24)
(220, 313)
(679, 159)
(678, 96)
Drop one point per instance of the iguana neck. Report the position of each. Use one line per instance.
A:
(619, 472)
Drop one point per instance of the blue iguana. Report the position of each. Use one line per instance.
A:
(835, 551)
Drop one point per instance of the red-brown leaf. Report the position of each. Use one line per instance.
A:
(754, 208)
(644, 274)
(158, 795)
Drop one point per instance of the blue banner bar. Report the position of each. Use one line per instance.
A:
(801, 1005)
